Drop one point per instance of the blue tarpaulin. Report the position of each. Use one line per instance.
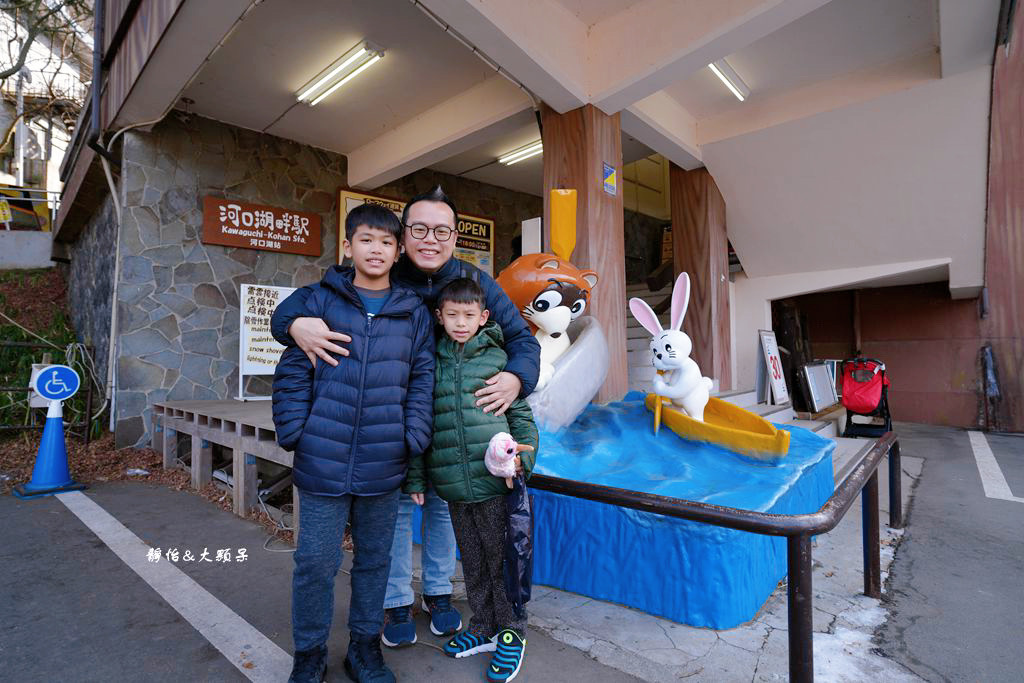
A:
(689, 572)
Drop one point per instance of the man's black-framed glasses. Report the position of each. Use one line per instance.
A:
(442, 233)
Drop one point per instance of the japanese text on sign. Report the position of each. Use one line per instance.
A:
(258, 351)
(252, 226)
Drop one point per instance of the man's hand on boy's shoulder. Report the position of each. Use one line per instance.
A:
(315, 338)
(499, 393)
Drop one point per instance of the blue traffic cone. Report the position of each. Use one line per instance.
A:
(50, 474)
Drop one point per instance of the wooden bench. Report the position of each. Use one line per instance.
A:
(245, 427)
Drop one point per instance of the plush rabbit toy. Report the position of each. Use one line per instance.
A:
(500, 457)
(682, 381)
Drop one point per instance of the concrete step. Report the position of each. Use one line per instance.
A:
(847, 454)
(638, 344)
(739, 397)
(780, 414)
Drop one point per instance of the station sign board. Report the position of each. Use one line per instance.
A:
(255, 226)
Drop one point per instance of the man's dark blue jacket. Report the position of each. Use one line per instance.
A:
(520, 345)
(354, 427)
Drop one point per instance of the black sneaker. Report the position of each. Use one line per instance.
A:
(365, 663)
(309, 666)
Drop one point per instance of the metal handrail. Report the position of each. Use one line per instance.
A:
(798, 530)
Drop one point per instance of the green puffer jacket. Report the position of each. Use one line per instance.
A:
(455, 462)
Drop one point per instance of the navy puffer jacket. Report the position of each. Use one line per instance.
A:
(354, 427)
(520, 344)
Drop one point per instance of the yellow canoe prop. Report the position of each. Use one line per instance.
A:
(726, 425)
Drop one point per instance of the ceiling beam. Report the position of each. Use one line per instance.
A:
(540, 43)
(192, 36)
(967, 34)
(455, 126)
(661, 123)
(678, 38)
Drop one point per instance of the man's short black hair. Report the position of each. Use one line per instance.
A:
(462, 291)
(435, 195)
(375, 216)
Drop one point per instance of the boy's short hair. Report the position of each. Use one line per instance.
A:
(375, 216)
(435, 195)
(462, 291)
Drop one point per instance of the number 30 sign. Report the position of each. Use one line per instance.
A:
(772, 366)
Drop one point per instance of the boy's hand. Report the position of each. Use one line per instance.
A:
(315, 339)
(500, 392)
(417, 498)
(519, 465)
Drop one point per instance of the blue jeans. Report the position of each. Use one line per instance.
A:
(318, 559)
(438, 551)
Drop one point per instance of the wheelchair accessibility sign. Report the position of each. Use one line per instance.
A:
(57, 383)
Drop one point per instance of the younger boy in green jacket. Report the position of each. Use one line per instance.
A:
(469, 353)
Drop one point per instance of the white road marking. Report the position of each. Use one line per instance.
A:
(992, 478)
(255, 655)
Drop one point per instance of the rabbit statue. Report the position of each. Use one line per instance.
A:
(500, 456)
(681, 381)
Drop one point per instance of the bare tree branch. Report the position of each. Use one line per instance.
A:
(34, 27)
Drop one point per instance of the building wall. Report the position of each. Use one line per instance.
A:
(643, 245)
(1004, 243)
(929, 343)
(177, 297)
(90, 277)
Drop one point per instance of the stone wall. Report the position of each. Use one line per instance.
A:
(177, 297)
(90, 277)
(507, 208)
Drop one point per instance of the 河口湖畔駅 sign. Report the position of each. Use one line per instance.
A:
(254, 226)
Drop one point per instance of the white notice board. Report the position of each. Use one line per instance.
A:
(258, 352)
(769, 367)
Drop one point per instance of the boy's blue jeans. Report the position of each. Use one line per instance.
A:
(438, 551)
(318, 558)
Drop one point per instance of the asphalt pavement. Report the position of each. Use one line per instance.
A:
(957, 583)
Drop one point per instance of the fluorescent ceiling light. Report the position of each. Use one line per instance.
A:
(340, 72)
(515, 156)
(731, 79)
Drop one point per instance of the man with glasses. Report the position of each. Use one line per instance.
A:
(427, 265)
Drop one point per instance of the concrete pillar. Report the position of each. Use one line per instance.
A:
(700, 248)
(577, 145)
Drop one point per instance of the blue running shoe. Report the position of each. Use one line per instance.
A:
(508, 657)
(466, 644)
(444, 619)
(400, 629)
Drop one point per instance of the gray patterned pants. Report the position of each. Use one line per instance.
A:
(480, 533)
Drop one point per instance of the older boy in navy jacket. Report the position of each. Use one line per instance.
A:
(353, 427)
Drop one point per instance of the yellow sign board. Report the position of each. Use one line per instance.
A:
(5, 211)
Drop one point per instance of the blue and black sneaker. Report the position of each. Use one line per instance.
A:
(508, 657)
(466, 644)
(444, 619)
(399, 629)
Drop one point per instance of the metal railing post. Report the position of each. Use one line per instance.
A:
(872, 554)
(895, 487)
(800, 604)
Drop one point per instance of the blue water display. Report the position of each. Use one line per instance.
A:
(686, 571)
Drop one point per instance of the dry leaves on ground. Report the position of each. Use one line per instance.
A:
(101, 462)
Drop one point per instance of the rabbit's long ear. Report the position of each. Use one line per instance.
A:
(645, 316)
(680, 300)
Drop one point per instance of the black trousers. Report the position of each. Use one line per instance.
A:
(480, 533)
